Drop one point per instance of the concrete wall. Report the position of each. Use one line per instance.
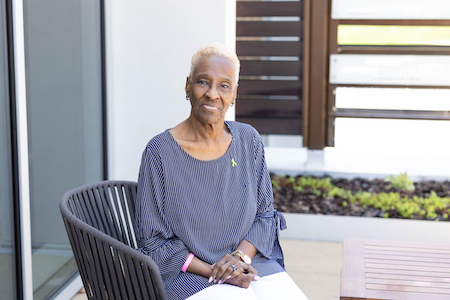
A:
(149, 46)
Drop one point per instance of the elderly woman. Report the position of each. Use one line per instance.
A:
(204, 210)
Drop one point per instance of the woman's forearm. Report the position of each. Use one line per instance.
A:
(199, 267)
(248, 248)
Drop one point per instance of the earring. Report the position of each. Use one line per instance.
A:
(187, 97)
(232, 104)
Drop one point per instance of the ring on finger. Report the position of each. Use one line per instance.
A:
(234, 267)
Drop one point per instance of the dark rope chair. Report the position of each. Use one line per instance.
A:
(99, 220)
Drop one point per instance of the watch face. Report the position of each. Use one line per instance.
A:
(246, 259)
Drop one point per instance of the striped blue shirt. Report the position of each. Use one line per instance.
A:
(206, 207)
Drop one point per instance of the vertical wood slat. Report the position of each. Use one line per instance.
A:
(269, 48)
(261, 28)
(331, 96)
(269, 87)
(269, 108)
(306, 59)
(317, 73)
(270, 68)
(266, 9)
(275, 125)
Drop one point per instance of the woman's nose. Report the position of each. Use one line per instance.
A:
(213, 92)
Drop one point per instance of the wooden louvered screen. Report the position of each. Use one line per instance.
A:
(269, 46)
(426, 54)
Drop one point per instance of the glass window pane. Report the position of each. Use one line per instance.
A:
(416, 70)
(6, 256)
(62, 40)
(394, 35)
(391, 9)
(393, 98)
(392, 136)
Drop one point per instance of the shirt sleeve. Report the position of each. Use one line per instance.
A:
(154, 234)
(264, 233)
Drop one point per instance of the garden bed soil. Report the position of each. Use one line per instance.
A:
(289, 200)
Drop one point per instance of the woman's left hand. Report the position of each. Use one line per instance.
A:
(229, 267)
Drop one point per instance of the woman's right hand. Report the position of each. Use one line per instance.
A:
(229, 268)
(243, 280)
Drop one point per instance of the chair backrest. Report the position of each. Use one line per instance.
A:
(99, 220)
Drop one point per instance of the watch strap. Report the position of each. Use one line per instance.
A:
(244, 257)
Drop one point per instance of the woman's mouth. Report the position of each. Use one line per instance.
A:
(210, 108)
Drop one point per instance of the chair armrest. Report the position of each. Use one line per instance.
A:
(108, 266)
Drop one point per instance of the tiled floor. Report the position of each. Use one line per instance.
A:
(314, 266)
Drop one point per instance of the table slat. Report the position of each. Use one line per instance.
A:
(393, 262)
(394, 270)
(370, 266)
(405, 289)
(408, 283)
(409, 276)
(397, 256)
(370, 272)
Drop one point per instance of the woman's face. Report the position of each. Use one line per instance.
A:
(211, 88)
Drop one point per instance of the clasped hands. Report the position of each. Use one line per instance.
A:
(241, 274)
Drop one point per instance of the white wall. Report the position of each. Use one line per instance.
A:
(149, 46)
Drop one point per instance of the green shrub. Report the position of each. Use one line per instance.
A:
(401, 182)
(312, 183)
(276, 182)
(429, 208)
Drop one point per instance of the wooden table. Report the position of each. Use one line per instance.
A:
(373, 269)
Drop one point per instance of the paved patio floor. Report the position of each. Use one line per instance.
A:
(315, 267)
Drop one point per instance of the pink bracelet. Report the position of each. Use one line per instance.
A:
(188, 262)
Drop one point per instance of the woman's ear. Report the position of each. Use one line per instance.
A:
(235, 91)
(186, 88)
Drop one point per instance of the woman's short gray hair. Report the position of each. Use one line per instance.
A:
(215, 49)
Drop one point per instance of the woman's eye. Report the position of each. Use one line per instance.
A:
(201, 81)
(225, 86)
